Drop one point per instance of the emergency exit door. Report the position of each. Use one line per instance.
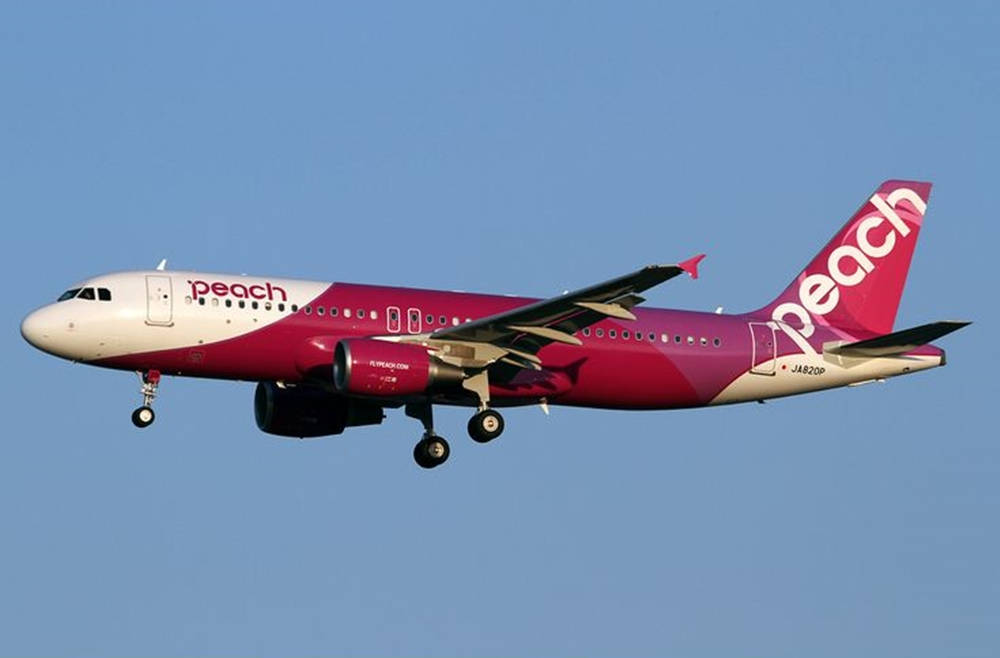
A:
(159, 300)
(764, 348)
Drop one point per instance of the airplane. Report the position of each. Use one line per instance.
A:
(329, 356)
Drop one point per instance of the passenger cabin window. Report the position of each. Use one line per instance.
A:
(69, 294)
(87, 293)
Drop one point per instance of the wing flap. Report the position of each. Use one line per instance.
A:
(610, 310)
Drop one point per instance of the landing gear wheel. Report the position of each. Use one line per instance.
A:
(431, 451)
(486, 426)
(143, 416)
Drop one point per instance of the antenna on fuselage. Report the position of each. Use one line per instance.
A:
(162, 266)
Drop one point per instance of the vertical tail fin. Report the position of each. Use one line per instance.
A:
(857, 280)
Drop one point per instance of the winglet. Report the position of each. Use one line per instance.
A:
(162, 266)
(691, 265)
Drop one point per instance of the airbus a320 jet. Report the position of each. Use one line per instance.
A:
(328, 356)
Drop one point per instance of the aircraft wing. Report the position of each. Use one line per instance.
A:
(524, 331)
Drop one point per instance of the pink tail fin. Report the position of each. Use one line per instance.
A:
(857, 280)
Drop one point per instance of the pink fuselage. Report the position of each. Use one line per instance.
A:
(664, 359)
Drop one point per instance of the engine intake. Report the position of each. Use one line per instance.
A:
(363, 366)
(309, 411)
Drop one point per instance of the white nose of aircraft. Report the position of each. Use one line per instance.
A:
(46, 330)
(33, 328)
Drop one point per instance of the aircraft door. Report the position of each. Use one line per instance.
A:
(159, 300)
(392, 320)
(413, 320)
(764, 348)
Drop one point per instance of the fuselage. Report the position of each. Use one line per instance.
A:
(285, 330)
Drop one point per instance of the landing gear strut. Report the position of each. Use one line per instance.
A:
(487, 424)
(144, 416)
(431, 450)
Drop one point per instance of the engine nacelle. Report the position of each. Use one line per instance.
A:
(309, 411)
(363, 366)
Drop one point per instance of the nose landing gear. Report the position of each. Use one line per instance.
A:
(144, 416)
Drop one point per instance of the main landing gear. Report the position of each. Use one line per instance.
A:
(431, 450)
(485, 426)
(144, 416)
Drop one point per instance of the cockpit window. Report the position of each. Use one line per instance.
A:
(69, 294)
(86, 293)
(104, 294)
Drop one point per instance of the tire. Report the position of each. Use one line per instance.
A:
(420, 456)
(431, 451)
(143, 417)
(486, 426)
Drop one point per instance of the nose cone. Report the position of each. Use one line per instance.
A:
(33, 329)
(47, 330)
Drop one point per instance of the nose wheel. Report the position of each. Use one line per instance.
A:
(144, 416)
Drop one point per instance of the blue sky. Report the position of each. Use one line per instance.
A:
(511, 148)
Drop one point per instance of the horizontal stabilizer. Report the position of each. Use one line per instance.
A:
(898, 342)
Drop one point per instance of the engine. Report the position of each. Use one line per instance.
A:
(362, 366)
(309, 411)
